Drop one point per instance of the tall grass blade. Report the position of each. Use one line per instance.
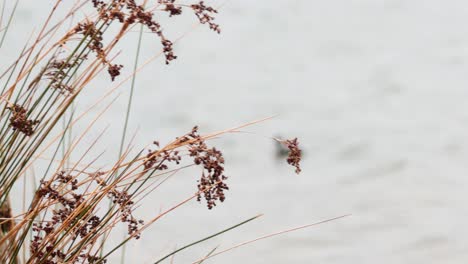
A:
(127, 114)
(208, 238)
(10, 19)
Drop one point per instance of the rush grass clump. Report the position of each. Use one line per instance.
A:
(76, 207)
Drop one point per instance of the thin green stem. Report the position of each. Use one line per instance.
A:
(127, 115)
(207, 238)
(10, 19)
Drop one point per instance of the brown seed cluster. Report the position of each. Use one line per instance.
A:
(63, 190)
(170, 7)
(295, 153)
(205, 15)
(157, 159)
(211, 185)
(58, 70)
(19, 120)
(89, 29)
(212, 181)
(128, 12)
(125, 203)
(114, 70)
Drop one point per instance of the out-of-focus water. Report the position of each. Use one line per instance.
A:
(375, 90)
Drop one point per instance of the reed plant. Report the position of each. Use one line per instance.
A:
(76, 204)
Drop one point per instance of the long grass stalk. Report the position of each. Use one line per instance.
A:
(127, 113)
(207, 238)
(270, 236)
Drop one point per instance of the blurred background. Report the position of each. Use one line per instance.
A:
(376, 92)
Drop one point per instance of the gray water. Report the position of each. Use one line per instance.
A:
(376, 92)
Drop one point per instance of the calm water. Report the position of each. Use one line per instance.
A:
(375, 90)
